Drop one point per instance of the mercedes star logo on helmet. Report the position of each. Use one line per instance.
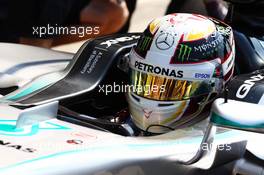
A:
(164, 41)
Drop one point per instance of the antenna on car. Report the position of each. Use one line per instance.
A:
(226, 91)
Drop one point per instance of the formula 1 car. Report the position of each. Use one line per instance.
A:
(61, 121)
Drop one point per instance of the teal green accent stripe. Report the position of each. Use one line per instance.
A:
(8, 129)
(13, 131)
(58, 127)
(8, 121)
(217, 119)
(34, 87)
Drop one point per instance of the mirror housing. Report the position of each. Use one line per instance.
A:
(238, 115)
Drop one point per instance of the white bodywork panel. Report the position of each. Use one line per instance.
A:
(22, 63)
(57, 147)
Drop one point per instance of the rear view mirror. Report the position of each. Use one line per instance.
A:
(238, 115)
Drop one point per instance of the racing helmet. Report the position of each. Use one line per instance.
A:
(179, 65)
